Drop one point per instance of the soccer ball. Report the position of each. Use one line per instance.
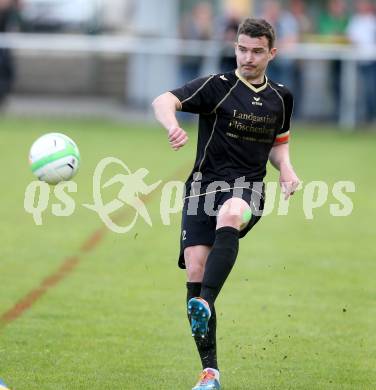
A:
(54, 157)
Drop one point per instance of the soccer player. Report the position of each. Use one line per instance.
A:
(244, 121)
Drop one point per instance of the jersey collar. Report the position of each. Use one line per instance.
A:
(249, 85)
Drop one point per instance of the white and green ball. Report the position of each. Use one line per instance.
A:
(54, 157)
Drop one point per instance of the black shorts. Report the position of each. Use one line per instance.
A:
(199, 217)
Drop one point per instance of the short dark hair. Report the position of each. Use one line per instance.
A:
(256, 28)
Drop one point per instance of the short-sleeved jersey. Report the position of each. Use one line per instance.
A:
(239, 123)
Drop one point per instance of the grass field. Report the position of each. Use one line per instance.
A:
(298, 311)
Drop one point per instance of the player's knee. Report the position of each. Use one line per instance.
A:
(195, 264)
(232, 213)
(195, 273)
(229, 220)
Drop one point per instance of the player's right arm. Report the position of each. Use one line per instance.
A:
(165, 107)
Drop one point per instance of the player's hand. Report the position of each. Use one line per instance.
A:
(177, 137)
(289, 181)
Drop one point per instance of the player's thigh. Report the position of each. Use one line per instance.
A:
(234, 212)
(197, 230)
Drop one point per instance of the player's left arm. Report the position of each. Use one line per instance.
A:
(279, 155)
(280, 158)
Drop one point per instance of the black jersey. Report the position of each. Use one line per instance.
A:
(239, 123)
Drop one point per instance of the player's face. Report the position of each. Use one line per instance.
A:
(253, 56)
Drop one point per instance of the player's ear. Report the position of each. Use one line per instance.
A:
(272, 53)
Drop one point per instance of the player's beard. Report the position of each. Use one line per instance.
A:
(250, 73)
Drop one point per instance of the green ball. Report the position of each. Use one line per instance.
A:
(247, 215)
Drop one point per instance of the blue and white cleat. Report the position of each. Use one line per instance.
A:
(3, 386)
(199, 312)
(207, 381)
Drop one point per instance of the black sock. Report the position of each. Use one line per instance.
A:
(220, 261)
(207, 347)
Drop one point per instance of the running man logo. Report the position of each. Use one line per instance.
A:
(132, 184)
(128, 200)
